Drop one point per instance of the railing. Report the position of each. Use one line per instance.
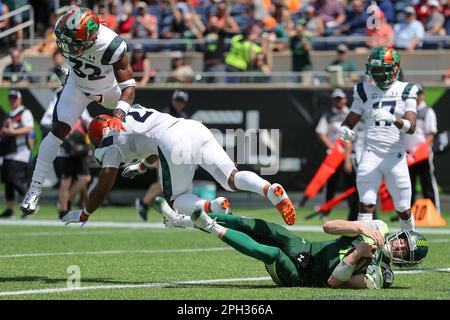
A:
(305, 78)
(21, 26)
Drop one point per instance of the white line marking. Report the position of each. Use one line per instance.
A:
(154, 225)
(176, 283)
(126, 286)
(81, 253)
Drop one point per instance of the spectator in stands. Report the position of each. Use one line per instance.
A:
(410, 33)
(52, 75)
(185, 23)
(380, 33)
(214, 52)
(426, 129)
(143, 72)
(348, 65)
(4, 24)
(109, 18)
(126, 22)
(15, 149)
(277, 31)
(16, 72)
(242, 52)
(263, 62)
(356, 22)
(300, 49)
(314, 26)
(180, 71)
(434, 23)
(388, 9)
(422, 10)
(332, 13)
(446, 12)
(222, 19)
(146, 25)
(283, 16)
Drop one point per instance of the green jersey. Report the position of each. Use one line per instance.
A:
(326, 255)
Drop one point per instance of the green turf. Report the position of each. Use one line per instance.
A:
(142, 256)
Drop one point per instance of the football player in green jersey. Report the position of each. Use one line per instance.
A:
(360, 258)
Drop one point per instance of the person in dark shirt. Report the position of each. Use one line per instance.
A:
(16, 72)
(177, 105)
(214, 53)
(300, 48)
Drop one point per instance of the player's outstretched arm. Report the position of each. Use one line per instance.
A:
(124, 76)
(106, 180)
(353, 229)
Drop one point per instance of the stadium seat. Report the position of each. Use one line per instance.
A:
(243, 21)
(238, 9)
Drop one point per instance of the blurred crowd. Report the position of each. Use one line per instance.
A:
(240, 35)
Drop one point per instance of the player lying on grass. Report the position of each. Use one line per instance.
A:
(358, 259)
(389, 109)
(181, 145)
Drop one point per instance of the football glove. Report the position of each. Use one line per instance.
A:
(77, 216)
(116, 124)
(133, 170)
(382, 115)
(346, 133)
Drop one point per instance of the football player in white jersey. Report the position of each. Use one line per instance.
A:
(181, 146)
(389, 108)
(99, 71)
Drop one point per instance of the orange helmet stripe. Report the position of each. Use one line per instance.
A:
(388, 58)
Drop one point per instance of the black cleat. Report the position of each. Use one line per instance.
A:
(141, 208)
(8, 213)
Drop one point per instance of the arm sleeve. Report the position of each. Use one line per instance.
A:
(411, 100)
(357, 105)
(322, 126)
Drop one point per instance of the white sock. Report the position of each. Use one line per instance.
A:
(186, 203)
(47, 154)
(409, 224)
(250, 181)
(365, 216)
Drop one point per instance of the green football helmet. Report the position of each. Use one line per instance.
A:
(383, 66)
(76, 31)
(417, 248)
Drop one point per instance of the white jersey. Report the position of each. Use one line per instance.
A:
(93, 71)
(384, 137)
(145, 129)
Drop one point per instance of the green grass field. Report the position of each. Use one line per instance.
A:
(127, 261)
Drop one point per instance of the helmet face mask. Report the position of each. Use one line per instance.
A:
(383, 66)
(76, 31)
(416, 244)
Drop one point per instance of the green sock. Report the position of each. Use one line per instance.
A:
(246, 245)
(226, 220)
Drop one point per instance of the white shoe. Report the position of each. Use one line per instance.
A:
(281, 201)
(30, 202)
(202, 220)
(220, 205)
(172, 219)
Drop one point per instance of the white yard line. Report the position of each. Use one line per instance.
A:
(82, 253)
(176, 283)
(153, 225)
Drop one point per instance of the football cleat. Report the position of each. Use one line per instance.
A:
(202, 220)
(30, 202)
(219, 205)
(141, 209)
(279, 198)
(172, 219)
